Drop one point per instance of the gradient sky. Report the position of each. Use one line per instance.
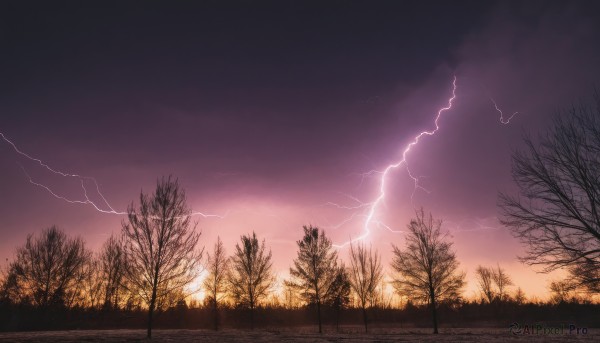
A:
(268, 111)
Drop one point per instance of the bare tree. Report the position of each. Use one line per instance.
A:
(485, 282)
(366, 272)
(557, 215)
(561, 291)
(250, 277)
(215, 283)
(289, 296)
(112, 267)
(520, 297)
(586, 273)
(427, 268)
(46, 269)
(161, 246)
(91, 280)
(502, 282)
(315, 267)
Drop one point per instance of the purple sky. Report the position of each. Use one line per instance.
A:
(268, 113)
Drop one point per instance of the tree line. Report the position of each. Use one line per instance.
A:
(157, 255)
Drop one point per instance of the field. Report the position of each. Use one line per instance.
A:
(352, 334)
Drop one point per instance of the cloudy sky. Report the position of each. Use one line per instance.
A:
(275, 115)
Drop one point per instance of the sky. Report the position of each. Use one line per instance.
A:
(279, 114)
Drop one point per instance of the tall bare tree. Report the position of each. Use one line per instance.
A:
(315, 267)
(502, 281)
(250, 277)
(557, 215)
(427, 268)
(91, 284)
(485, 282)
(161, 246)
(112, 267)
(215, 283)
(366, 272)
(46, 269)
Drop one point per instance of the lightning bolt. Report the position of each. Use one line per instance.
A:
(370, 218)
(106, 208)
(502, 119)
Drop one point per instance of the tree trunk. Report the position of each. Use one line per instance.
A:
(152, 303)
(319, 315)
(150, 312)
(337, 319)
(216, 314)
(433, 310)
(364, 311)
(251, 317)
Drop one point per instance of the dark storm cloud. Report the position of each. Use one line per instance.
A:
(253, 71)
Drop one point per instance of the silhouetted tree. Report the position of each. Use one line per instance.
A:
(112, 267)
(493, 283)
(485, 282)
(502, 282)
(250, 277)
(47, 268)
(561, 291)
(365, 274)
(161, 246)
(520, 297)
(315, 267)
(427, 268)
(338, 294)
(215, 283)
(586, 273)
(92, 284)
(557, 215)
(9, 290)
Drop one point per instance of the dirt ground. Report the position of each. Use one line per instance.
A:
(352, 334)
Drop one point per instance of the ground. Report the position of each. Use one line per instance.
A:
(352, 334)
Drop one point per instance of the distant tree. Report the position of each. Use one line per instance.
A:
(485, 282)
(290, 294)
(366, 272)
(250, 277)
(315, 267)
(493, 283)
(338, 294)
(520, 297)
(427, 268)
(112, 268)
(502, 282)
(215, 283)
(561, 291)
(91, 284)
(557, 215)
(9, 290)
(161, 246)
(47, 268)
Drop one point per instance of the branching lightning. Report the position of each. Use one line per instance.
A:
(502, 119)
(84, 181)
(370, 218)
(365, 212)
